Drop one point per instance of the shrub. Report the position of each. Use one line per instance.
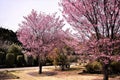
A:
(20, 60)
(16, 50)
(29, 60)
(94, 67)
(62, 61)
(2, 58)
(35, 61)
(115, 67)
(10, 59)
(48, 61)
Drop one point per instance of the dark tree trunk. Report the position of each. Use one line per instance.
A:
(105, 71)
(62, 67)
(40, 69)
(40, 66)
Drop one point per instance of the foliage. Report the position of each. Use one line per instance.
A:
(20, 60)
(10, 59)
(62, 57)
(16, 50)
(35, 61)
(115, 67)
(62, 61)
(39, 32)
(8, 35)
(97, 25)
(94, 67)
(2, 58)
(48, 61)
(29, 60)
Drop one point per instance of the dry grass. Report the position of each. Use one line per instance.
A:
(7, 75)
(52, 74)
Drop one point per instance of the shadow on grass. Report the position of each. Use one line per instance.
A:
(70, 69)
(46, 73)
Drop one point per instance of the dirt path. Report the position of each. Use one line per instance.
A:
(49, 74)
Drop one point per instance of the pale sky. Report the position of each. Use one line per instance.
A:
(12, 11)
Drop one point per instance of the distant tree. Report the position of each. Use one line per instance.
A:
(100, 18)
(39, 33)
(62, 56)
(7, 37)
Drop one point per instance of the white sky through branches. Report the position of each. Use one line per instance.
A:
(12, 11)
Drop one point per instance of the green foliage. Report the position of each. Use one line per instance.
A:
(48, 61)
(94, 67)
(29, 60)
(35, 61)
(20, 60)
(115, 67)
(8, 35)
(63, 57)
(16, 50)
(62, 61)
(2, 58)
(10, 59)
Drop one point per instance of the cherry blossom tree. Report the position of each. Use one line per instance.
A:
(97, 25)
(39, 33)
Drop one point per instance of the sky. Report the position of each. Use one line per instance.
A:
(12, 11)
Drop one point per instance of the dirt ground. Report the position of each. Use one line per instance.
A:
(50, 74)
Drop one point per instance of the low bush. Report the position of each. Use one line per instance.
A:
(94, 67)
(115, 67)
(35, 61)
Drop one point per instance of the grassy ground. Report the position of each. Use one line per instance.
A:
(53, 74)
(7, 75)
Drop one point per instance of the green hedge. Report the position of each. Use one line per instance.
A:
(96, 67)
(115, 67)
(93, 67)
(10, 59)
(20, 60)
(29, 60)
(2, 58)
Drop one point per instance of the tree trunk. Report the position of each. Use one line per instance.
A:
(105, 72)
(62, 67)
(40, 67)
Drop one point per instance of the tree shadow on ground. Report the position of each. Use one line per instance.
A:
(46, 73)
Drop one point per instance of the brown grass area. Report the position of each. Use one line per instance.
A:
(7, 75)
(52, 74)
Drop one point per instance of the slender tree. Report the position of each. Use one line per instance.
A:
(97, 25)
(39, 34)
